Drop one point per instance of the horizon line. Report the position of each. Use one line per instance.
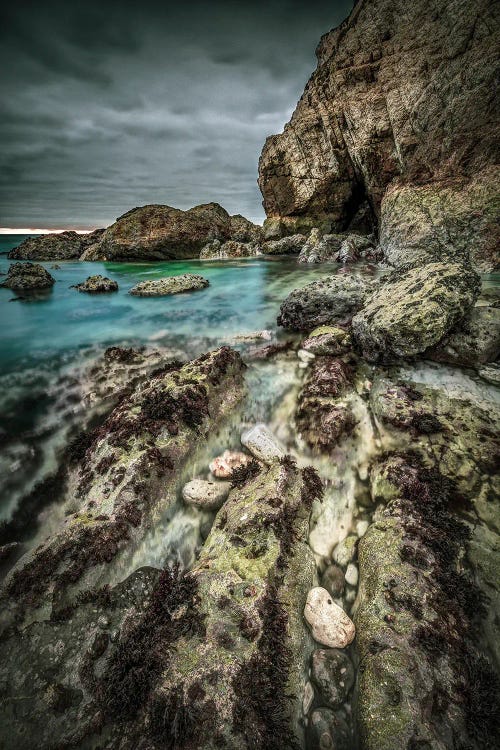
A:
(34, 230)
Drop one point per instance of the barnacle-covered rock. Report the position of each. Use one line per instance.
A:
(185, 282)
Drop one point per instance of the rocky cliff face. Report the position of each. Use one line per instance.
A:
(399, 114)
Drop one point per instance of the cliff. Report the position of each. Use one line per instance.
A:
(397, 121)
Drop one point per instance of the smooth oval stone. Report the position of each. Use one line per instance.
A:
(261, 442)
(205, 494)
(333, 674)
(329, 624)
(351, 575)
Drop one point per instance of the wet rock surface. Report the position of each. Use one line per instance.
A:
(97, 285)
(186, 282)
(411, 311)
(328, 340)
(25, 277)
(474, 342)
(324, 302)
(333, 674)
(205, 494)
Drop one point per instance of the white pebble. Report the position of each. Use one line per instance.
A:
(351, 575)
(329, 624)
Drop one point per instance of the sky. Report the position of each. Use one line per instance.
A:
(107, 104)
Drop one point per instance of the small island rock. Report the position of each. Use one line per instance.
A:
(28, 276)
(186, 282)
(97, 285)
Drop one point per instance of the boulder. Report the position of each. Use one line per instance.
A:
(475, 341)
(331, 300)
(328, 340)
(97, 285)
(24, 277)
(385, 119)
(186, 282)
(230, 249)
(157, 232)
(413, 310)
(329, 624)
(291, 245)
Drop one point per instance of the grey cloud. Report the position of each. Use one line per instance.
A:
(111, 105)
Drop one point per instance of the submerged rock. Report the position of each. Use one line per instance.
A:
(205, 494)
(491, 373)
(261, 442)
(327, 730)
(333, 674)
(27, 276)
(324, 414)
(412, 311)
(331, 300)
(333, 580)
(329, 624)
(186, 282)
(97, 285)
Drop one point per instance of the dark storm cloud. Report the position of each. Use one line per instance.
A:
(109, 105)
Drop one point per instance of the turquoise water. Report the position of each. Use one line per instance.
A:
(49, 340)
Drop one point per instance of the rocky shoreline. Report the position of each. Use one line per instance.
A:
(329, 571)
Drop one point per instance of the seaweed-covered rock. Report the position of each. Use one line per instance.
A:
(324, 415)
(331, 300)
(157, 232)
(474, 342)
(412, 311)
(23, 277)
(329, 340)
(60, 246)
(230, 249)
(128, 472)
(236, 677)
(97, 285)
(421, 669)
(186, 282)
